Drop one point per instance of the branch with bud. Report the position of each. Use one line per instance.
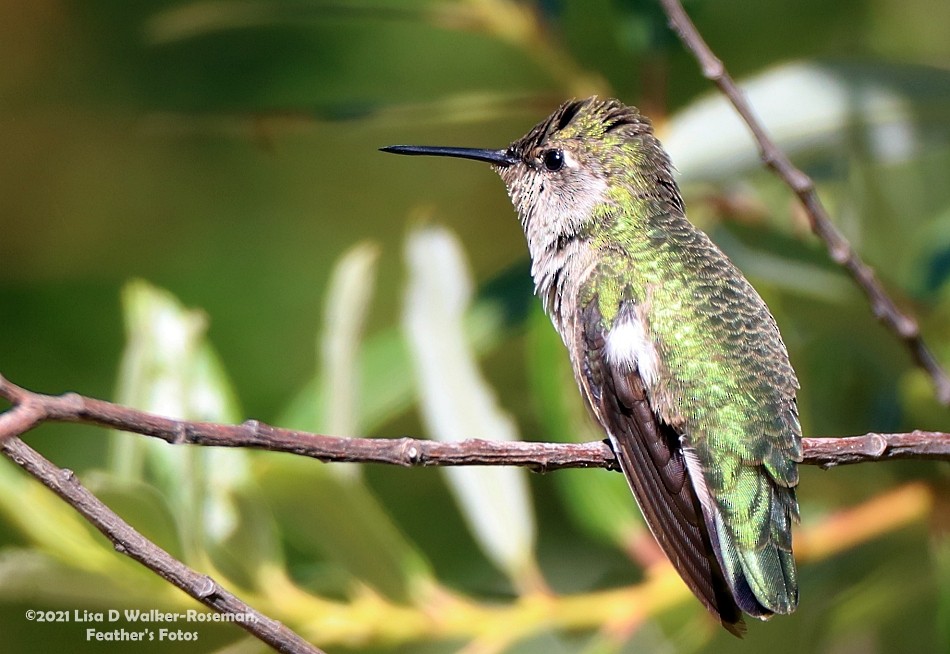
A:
(128, 541)
(29, 410)
(32, 409)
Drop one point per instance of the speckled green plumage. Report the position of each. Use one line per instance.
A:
(725, 385)
(676, 355)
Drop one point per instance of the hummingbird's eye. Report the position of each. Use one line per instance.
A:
(553, 160)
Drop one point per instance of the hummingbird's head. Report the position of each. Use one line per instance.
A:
(567, 173)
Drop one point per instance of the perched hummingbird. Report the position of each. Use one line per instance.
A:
(676, 355)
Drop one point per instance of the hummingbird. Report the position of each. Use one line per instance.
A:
(676, 355)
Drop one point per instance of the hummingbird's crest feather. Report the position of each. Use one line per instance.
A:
(583, 118)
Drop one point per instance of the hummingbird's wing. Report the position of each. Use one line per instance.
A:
(653, 461)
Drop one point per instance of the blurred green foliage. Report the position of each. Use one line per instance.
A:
(226, 151)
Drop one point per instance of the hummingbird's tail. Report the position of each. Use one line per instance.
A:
(761, 574)
(675, 517)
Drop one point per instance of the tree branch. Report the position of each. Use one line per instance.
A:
(882, 306)
(32, 409)
(29, 411)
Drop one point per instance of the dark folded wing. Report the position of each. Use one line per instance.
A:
(652, 459)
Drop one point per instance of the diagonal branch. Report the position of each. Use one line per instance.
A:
(32, 410)
(883, 306)
(409, 452)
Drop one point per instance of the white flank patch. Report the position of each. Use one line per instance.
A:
(629, 347)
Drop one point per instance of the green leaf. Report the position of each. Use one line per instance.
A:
(139, 504)
(33, 575)
(384, 396)
(57, 531)
(457, 403)
(169, 368)
(254, 542)
(327, 511)
(336, 518)
(348, 301)
(941, 549)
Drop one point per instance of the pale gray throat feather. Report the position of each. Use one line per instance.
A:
(558, 277)
(554, 217)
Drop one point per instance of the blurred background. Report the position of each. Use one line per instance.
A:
(194, 219)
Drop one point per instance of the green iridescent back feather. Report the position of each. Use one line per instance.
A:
(726, 384)
(729, 387)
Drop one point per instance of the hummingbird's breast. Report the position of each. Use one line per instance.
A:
(559, 273)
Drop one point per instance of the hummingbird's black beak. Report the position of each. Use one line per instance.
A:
(502, 158)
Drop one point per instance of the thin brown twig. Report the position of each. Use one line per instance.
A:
(409, 452)
(883, 306)
(29, 411)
